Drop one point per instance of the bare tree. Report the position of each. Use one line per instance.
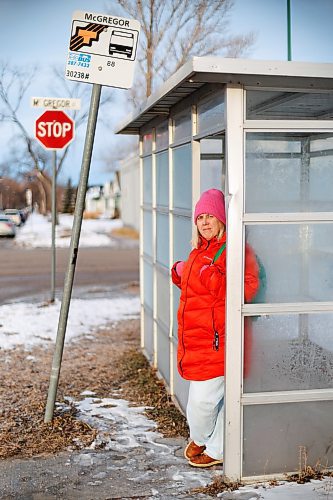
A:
(76, 90)
(14, 84)
(172, 31)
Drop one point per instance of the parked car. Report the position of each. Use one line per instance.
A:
(14, 215)
(7, 226)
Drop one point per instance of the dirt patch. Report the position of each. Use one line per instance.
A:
(108, 361)
(125, 232)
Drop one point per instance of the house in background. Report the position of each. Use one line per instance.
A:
(104, 199)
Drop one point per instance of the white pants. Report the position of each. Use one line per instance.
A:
(205, 415)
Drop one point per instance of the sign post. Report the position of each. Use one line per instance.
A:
(54, 130)
(54, 221)
(102, 51)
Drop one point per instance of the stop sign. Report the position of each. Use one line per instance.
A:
(54, 129)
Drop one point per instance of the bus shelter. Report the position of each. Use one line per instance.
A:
(261, 131)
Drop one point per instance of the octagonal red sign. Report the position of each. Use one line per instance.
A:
(54, 129)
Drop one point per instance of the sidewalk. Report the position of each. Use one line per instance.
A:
(147, 469)
(128, 459)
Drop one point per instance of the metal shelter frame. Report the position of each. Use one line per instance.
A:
(229, 81)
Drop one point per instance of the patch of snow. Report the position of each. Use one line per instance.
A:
(94, 232)
(27, 325)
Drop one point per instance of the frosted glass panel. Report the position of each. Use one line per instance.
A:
(181, 249)
(182, 177)
(212, 145)
(180, 385)
(163, 298)
(211, 175)
(182, 125)
(176, 297)
(148, 284)
(147, 181)
(275, 433)
(288, 352)
(162, 243)
(162, 136)
(182, 237)
(211, 113)
(162, 179)
(148, 233)
(298, 260)
(280, 105)
(148, 334)
(288, 172)
(163, 354)
(147, 142)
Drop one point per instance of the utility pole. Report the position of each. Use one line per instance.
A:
(289, 29)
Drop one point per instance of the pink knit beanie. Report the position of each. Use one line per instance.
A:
(211, 202)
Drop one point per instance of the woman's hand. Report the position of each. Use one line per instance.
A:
(180, 267)
(206, 266)
(213, 278)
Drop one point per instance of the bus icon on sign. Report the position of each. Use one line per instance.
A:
(121, 42)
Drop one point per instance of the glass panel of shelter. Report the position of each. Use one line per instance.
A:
(288, 175)
(288, 105)
(212, 164)
(289, 172)
(287, 437)
(288, 352)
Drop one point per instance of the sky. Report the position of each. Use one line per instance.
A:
(32, 324)
(37, 32)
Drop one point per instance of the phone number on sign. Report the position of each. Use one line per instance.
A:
(77, 74)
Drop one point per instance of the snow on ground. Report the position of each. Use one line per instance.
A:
(37, 232)
(30, 324)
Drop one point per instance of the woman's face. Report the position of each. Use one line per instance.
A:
(209, 226)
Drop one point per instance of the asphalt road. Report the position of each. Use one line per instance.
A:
(26, 273)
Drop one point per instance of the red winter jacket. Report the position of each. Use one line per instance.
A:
(201, 313)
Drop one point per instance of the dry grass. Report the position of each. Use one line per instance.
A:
(141, 385)
(112, 361)
(307, 472)
(218, 485)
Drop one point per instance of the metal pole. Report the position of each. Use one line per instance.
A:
(54, 205)
(289, 29)
(69, 278)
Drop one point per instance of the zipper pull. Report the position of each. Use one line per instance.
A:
(216, 341)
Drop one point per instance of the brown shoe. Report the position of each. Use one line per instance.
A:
(204, 460)
(193, 450)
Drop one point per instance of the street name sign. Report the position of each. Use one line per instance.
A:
(54, 129)
(102, 49)
(55, 102)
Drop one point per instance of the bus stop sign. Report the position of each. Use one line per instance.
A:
(102, 49)
(54, 129)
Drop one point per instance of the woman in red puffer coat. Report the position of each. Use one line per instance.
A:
(201, 327)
